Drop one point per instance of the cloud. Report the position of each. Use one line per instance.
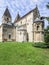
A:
(0, 1)
(22, 6)
(35, 0)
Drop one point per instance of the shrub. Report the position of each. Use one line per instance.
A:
(41, 45)
(47, 44)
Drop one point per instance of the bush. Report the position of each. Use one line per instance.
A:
(47, 38)
(47, 44)
(41, 45)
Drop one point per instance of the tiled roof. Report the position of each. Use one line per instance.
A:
(38, 20)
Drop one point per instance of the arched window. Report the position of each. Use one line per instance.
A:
(7, 18)
(20, 33)
(21, 22)
(37, 27)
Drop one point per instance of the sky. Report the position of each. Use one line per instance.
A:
(23, 6)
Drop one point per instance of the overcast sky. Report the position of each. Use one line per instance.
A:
(23, 6)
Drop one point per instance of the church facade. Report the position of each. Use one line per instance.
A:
(29, 28)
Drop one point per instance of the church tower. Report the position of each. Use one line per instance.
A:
(6, 18)
(17, 17)
(8, 27)
(38, 30)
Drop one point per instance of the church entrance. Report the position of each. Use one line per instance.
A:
(9, 36)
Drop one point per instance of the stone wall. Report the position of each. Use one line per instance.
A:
(28, 20)
(38, 33)
(1, 34)
(8, 33)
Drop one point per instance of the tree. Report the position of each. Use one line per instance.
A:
(47, 5)
(46, 35)
(48, 8)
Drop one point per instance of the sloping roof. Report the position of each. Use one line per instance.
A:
(7, 13)
(36, 8)
(38, 20)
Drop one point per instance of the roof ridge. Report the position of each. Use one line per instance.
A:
(25, 14)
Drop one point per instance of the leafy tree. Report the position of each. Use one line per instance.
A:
(48, 8)
(47, 5)
(46, 35)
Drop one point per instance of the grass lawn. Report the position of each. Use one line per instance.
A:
(12, 53)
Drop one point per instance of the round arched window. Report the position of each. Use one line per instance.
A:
(7, 18)
(37, 27)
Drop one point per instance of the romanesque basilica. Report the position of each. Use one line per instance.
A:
(29, 28)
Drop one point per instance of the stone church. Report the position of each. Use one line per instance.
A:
(29, 28)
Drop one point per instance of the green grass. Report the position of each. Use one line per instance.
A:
(12, 53)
